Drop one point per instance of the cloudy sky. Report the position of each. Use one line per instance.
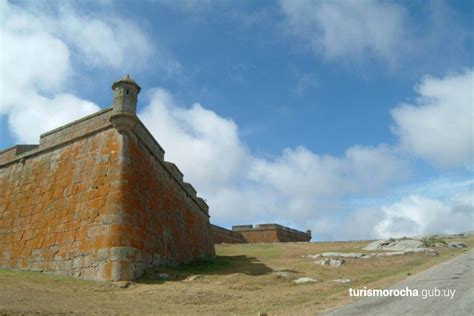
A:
(352, 118)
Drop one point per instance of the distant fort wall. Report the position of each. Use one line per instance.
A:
(221, 235)
(261, 233)
(95, 199)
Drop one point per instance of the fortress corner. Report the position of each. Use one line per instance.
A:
(96, 199)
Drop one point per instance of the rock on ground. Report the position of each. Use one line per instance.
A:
(395, 245)
(456, 245)
(282, 274)
(193, 277)
(389, 254)
(330, 262)
(314, 256)
(304, 280)
(343, 281)
(344, 255)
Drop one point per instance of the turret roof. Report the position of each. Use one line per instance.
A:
(126, 79)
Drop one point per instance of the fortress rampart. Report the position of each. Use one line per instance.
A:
(96, 199)
(262, 233)
(221, 235)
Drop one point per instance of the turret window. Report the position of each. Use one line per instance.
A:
(127, 91)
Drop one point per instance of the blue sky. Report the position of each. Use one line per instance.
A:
(310, 113)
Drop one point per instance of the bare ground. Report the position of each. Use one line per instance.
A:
(241, 280)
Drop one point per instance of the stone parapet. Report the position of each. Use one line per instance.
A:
(242, 227)
(174, 170)
(59, 137)
(76, 129)
(15, 151)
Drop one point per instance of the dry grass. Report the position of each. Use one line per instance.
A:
(240, 281)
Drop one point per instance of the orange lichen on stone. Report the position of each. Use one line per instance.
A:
(96, 200)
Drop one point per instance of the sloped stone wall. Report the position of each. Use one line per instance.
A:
(94, 203)
(164, 221)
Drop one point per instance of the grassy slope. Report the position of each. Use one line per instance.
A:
(239, 281)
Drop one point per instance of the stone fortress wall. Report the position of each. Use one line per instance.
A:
(261, 233)
(221, 235)
(96, 199)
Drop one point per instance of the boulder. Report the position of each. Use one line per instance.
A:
(343, 281)
(390, 254)
(377, 245)
(344, 255)
(336, 262)
(457, 245)
(282, 274)
(395, 245)
(193, 277)
(304, 280)
(330, 262)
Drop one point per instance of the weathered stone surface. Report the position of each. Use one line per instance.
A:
(94, 203)
(389, 254)
(407, 251)
(344, 255)
(458, 245)
(193, 277)
(330, 262)
(395, 245)
(282, 274)
(316, 256)
(343, 281)
(304, 280)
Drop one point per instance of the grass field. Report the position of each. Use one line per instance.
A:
(241, 280)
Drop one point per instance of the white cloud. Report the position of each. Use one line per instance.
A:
(40, 50)
(239, 186)
(418, 215)
(30, 61)
(205, 145)
(105, 42)
(40, 114)
(304, 173)
(347, 30)
(302, 188)
(438, 127)
(411, 215)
